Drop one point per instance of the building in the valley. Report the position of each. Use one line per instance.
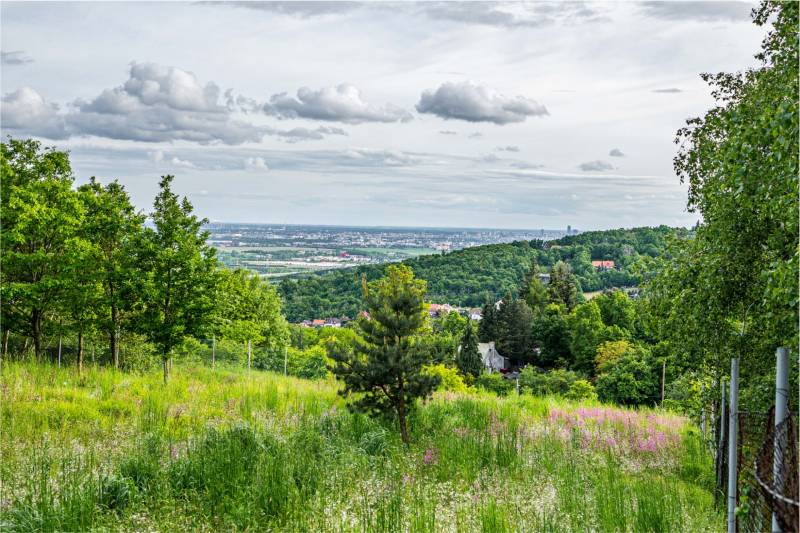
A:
(492, 360)
(603, 265)
(476, 313)
(435, 310)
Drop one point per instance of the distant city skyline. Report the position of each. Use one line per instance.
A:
(458, 115)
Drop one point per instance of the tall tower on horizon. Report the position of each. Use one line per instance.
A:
(569, 229)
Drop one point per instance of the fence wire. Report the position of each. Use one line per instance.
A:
(776, 474)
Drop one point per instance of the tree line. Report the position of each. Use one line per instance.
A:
(83, 261)
(470, 276)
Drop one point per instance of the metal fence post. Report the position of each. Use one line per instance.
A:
(213, 351)
(781, 412)
(59, 352)
(703, 410)
(248, 355)
(733, 434)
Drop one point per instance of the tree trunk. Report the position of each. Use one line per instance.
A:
(80, 351)
(6, 335)
(113, 337)
(166, 369)
(36, 332)
(401, 417)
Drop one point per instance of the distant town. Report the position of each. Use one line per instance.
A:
(278, 250)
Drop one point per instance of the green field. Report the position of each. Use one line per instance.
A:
(227, 450)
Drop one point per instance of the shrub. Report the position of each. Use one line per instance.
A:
(494, 382)
(580, 389)
(555, 382)
(628, 380)
(449, 378)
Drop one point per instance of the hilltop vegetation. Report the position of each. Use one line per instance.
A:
(472, 276)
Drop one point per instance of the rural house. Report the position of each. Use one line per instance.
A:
(492, 360)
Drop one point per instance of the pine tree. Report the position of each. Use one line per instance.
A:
(533, 291)
(385, 367)
(469, 359)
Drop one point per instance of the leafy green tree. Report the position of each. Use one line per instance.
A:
(587, 333)
(533, 291)
(734, 287)
(83, 293)
(247, 308)
(385, 370)
(628, 380)
(178, 270)
(617, 309)
(113, 226)
(40, 218)
(468, 360)
(562, 288)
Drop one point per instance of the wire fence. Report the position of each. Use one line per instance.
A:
(767, 475)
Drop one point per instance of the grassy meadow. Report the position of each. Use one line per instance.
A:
(224, 450)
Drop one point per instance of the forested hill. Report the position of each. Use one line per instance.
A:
(468, 277)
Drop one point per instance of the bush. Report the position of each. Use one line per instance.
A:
(137, 355)
(495, 383)
(449, 378)
(628, 380)
(580, 389)
(555, 382)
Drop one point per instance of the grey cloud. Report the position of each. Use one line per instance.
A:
(477, 103)
(616, 152)
(26, 111)
(698, 10)
(14, 57)
(159, 104)
(361, 157)
(508, 14)
(509, 148)
(305, 134)
(524, 165)
(448, 132)
(668, 90)
(475, 135)
(301, 9)
(596, 166)
(342, 103)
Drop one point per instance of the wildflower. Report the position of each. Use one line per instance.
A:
(430, 457)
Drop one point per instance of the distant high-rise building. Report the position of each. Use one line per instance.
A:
(569, 230)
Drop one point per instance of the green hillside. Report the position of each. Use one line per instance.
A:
(468, 277)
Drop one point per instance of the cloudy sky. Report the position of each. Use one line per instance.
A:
(518, 115)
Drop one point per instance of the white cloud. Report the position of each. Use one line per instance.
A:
(343, 103)
(158, 104)
(255, 164)
(26, 112)
(477, 103)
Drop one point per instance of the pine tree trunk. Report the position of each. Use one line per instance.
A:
(80, 351)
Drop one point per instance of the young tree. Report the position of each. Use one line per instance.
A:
(83, 292)
(385, 368)
(113, 226)
(562, 288)
(178, 268)
(39, 219)
(551, 336)
(489, 328)
(533, 291)
(468, 360)
(587, 332)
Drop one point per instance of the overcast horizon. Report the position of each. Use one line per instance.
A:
(460, 115)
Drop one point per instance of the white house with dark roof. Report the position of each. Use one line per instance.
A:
(492, 360)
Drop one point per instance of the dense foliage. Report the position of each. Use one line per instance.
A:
(81, 262)
(733, 289)
(471, 276)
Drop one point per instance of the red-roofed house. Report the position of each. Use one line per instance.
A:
(603, 265)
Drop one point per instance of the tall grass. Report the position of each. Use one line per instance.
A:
(221, 450)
